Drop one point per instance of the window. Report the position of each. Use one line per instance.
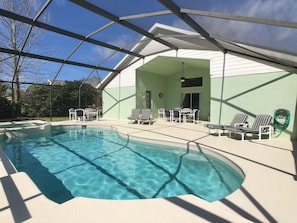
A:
(192, 82)
(148, 99)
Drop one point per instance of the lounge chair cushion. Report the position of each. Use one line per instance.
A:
(214, 126)
(238, 120)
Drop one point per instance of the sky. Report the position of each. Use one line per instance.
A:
(67, 15)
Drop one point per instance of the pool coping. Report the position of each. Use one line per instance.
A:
(253, 200)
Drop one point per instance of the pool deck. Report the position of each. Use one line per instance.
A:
(268, 193)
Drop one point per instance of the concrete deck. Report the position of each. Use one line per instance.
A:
(268, 193)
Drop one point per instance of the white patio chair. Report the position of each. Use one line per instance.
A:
(71, 113)
(191, 115)
(79, 114)
(176, 115)
(91, 113)
(161, 113)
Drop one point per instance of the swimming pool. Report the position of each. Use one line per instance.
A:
(97, 163)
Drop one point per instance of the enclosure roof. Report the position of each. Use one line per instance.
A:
(78, 39)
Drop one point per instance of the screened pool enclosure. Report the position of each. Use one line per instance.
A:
(50, 44)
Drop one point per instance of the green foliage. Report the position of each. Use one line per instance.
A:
(37, 99)
(5, 107)
(3, 89)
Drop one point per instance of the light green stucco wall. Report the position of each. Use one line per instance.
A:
(250, 94)
(170, 86)
(117, 102)
(255, 94)
(150, 82)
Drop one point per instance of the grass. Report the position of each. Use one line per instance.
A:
(46, 119)
(54, 119)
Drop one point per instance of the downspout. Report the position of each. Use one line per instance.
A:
(222, 88)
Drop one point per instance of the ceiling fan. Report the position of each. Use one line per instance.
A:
(182, 79)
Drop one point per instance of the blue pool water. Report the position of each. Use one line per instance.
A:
(97, 163)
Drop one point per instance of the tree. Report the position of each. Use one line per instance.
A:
(94, 81)
(18, 36)
(3, 89)
(68, 96)
(5, 111)
(37, 99)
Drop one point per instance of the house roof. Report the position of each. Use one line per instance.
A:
(95, 36)
(182, 39)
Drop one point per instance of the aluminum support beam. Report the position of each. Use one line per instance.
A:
(116, 19)
(48, 27)
(52, 59)
(194, 25)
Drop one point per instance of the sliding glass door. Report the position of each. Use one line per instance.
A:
(190, 100)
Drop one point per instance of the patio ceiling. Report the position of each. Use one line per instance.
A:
(97, 35)
(166, 66)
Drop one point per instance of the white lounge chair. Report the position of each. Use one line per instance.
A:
(146, 116)
(239, 120)
(135, 115)
(261, 126)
